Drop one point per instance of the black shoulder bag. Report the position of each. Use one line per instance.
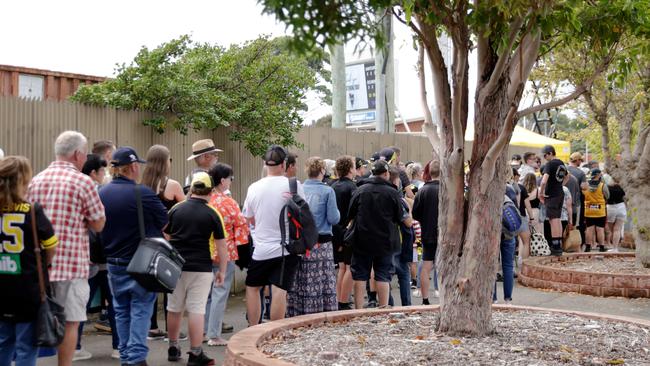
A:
(50, 320)
(156, 264)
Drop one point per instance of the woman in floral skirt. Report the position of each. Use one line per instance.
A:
(314, 288)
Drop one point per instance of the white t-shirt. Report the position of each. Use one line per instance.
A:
(264, 201)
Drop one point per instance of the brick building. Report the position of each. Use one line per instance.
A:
(40, 84)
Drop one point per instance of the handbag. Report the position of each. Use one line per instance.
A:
(50, 319)
(349, 234)
(572, 241)
(156, 264)
(538, 244)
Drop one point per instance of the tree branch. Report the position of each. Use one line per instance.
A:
(521, 66)
(502, 61)
(641, 142)
(489, 163)
(428, 127)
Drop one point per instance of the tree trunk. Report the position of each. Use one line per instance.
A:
(467, 262)
(638, 199)
(604, 141)
(338, 85)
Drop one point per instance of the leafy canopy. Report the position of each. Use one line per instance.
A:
(257, 87)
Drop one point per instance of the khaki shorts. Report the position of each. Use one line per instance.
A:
(73, 296)
(191, 293)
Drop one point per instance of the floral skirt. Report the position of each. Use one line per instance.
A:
(314, 288)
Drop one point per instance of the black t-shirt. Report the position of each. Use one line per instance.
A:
(18, 271)
(523, 195)
(193, 224)
(556, 172)
(343, 189)
(616, 195)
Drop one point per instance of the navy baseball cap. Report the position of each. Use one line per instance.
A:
(124, 156)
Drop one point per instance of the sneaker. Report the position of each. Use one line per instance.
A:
(416, 293)
(345, 306)
(199, 360)
(81, 354)
(217, 342)
(601, 248)
(226, 328)
(499, 277)
(103, 326)
(436, 293)
(156, 334)
(587, 248)
(414, 284)
(115, 354)
(173, 354)
(371, 304)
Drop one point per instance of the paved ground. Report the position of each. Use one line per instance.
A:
(100, 345)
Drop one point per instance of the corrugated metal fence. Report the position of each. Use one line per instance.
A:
(30, 127)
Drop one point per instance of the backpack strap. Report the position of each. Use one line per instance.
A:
(293, 186)
(283, 229)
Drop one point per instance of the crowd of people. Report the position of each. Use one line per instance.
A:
(376, 219)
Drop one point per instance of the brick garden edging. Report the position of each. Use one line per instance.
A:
(242, 349)
(536, 273)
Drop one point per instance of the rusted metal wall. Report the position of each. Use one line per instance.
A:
(56, 85)
(29, 128)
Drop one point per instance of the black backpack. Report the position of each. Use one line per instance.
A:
(303, 234)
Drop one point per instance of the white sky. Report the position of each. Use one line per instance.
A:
(90, 37)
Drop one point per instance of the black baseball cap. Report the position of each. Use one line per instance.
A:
(124, 156)
(595, 172)
(374, 157)
(275, 155)
(387, 153)
(548, 149)
(380, 167)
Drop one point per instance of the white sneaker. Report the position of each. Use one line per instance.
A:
(115, 354)
(416, 293)
(81, 354)
(436, 293)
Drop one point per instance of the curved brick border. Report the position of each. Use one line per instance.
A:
(243, 349)
(536, 273)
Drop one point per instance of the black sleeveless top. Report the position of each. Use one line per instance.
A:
(167, 203)
(535, 202)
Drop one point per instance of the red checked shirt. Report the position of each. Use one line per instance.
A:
(233, 221)
(69, 199)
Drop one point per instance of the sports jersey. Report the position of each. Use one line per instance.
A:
(193, 227)
(18, 271)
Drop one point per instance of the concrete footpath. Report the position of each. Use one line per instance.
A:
(100, 344)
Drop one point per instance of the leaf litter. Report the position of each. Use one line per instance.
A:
(521, 337)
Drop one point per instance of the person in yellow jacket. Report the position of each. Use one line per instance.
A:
(596, 194)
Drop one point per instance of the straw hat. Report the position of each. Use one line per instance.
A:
(202, 147)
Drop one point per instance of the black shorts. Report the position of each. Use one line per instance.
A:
(553, 206)
(429, 251)
(271, 272)
(362, 264)
(342, 253)
(596, 221)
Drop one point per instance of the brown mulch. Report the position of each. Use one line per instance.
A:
(602, 264)
(520, 338)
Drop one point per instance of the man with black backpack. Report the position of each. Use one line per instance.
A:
(272, 263)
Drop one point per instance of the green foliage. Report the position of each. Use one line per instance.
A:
(257, 87)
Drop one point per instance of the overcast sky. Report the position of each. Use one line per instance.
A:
(90, 37)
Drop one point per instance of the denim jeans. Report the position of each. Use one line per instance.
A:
(17, 339)
(100, 282)
(508, 266)
(216, 306)
(133, 306)
(403, 272)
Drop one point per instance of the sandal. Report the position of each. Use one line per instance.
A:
(217, 342)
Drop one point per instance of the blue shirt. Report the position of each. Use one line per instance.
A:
(121, 234)
(322, 204)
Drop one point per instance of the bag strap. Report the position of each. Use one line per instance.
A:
(138, 203)
(293, 186)
(38, 254)
(283, 229)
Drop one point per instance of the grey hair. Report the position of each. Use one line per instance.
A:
(329, 166)
(68, 142)
(413, 169)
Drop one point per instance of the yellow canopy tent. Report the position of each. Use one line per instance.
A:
(522, 137)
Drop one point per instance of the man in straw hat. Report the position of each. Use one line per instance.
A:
(205, 155)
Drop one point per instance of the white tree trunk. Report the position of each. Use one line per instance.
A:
(338, 85)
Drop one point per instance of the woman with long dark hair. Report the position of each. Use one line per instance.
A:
(19, 271)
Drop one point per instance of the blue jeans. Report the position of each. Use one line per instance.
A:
(403, 273)
(133, 306)
(216, 306)
(17, 339)
(100, 282)
(508, 267)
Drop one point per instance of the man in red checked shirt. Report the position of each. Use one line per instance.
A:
(72, 204)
